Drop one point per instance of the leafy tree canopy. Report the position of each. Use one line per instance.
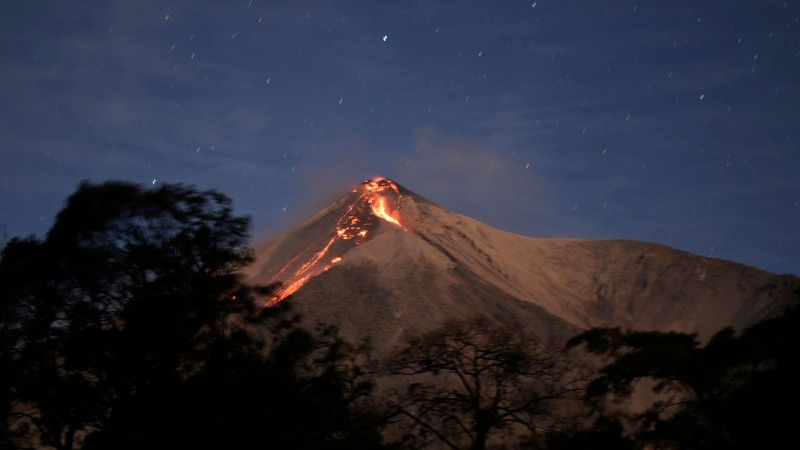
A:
(472, 383)
(127, 327)
(734, 392)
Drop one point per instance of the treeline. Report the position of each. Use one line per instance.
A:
(129, 326)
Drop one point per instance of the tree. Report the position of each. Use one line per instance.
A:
(125, 292)
(129, 327)
(473, 379)
(735, 392)
(307, 390)
(605, 433)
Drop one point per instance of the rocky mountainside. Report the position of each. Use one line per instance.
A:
(382, 261)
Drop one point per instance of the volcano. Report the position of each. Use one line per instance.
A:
(326, 237)
(382, 262)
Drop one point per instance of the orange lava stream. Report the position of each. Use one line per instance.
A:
(349, 227)
(380, 211)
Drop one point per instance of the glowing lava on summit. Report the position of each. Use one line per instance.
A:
(380, 211)
(372, 201)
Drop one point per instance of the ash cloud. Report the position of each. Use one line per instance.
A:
(469, 176)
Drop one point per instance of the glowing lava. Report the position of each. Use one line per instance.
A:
(372, 202)
(381, 212)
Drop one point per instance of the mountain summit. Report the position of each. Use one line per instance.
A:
(336, 230)
(382, 261)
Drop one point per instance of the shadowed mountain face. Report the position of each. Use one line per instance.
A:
(383, 261)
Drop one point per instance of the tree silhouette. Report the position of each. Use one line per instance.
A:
(307, 391)
(122, 293)
(129, 327)
(736, 392)
(474, 379)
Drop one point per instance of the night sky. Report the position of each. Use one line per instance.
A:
(672, 122)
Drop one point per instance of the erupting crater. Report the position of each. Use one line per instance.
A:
(369, 205)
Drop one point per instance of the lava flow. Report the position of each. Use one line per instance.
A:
(371, 202)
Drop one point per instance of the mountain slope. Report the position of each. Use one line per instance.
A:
(421, 264)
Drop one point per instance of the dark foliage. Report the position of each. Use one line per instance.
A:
(306, 394)
(736, 392)
(126, 286)
(604, 434)
(472, 382)
(127, 327)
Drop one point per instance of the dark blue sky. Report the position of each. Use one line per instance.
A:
(672, 122)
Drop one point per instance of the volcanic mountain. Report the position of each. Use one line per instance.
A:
(383, 261)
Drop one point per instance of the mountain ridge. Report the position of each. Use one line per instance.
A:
(434, 264)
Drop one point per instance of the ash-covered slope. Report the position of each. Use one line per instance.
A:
(415, 264)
